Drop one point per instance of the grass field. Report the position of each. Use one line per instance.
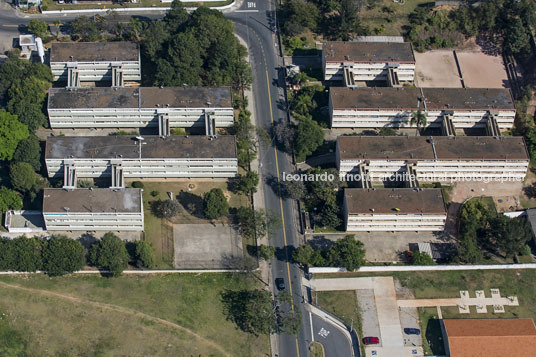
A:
(388, 18)
(432, 341)
(159, 232)
(167, 315)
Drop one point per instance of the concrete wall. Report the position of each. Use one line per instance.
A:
(97, 71)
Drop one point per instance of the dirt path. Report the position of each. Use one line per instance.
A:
(116, 308)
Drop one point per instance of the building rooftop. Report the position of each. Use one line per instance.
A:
(127, 147)
(144, 97)
(422, 148)
(399, 201)
(490, 337)
(94, 51)
(412, 98)
(57, 200)
(341, 51)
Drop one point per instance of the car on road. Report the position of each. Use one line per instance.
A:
(412, 331)
(280, 284)
(371, 340)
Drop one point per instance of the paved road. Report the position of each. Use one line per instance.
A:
(334, 341)
(252, 23)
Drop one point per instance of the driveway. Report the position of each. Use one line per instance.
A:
(323, 331)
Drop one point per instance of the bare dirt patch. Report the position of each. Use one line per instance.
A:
(437, 69)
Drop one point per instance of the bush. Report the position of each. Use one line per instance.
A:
(144, 255)
(109, 253)
(137, 184)
(421, 258)
(63, 255)
(154, 193)
(85, 184)
(215, 204)
(166, 209)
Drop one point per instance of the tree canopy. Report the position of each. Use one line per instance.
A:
(109, 253)
(12, 131)
(195, 49)
(29, 151)
(215, 204)
(9, 199)
(38, 28)
(63, 255)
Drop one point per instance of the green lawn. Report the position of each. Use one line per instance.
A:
(159, 232)
(164, 315)
(432, 339)
(53, 5)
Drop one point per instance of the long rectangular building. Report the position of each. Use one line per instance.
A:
(394, 107)
(368, 61)
(387, 209)
(152, 157)
(433, 159)
(97, 209)
(125, 107)
(95, 61)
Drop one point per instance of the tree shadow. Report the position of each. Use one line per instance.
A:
(193, 204)
(87, 240)
(319, 242)
(274, 184)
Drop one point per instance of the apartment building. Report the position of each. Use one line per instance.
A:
(97, 209)
(127, 107)
(433, 159)
(388, 209)
(375, 108)
(351, 62)
(141, 157)
(95, 61)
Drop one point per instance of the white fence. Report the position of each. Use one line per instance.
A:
(401, 268)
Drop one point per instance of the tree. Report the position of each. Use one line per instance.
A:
(29, 151)
(509, 234)
(63, 255)
(299, 15)
(255, 223)
(23, 177)
(266, 252)
(176, 16)
(418, 118)
(516, 37)
(309, 137)
(38, 28)
(421, 258)
(215, 204)
(9, 200)
(85, 29)
(468, 250)
(250, 310)
(11, 133)
(303, 255)
(25, 101)
(27, 254)
(247, 184)
(109, 253)
(330, 215)
(288, 317)
(349, 22)
(294, 189)
(166, 208)
(285, 133)
(347, 253)
(135, 27)
(144, 255)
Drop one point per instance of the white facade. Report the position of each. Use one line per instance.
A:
(93, 221)
(395, 222)
(148, 168)
(97, 71)
(136, 117)
(368, 71)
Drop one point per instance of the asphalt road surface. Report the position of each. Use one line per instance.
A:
(334, 341)
(254, 22)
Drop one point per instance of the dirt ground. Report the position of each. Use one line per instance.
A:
(436, 69)
(481, 70)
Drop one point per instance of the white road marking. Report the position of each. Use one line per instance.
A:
(311, 323)
(323, 332)
(247, 11)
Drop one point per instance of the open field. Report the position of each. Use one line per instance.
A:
(166, 315)
(159, 232)
(388, 18)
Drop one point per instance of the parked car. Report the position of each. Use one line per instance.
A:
(371, 340)
(412, 331)
(280, 284)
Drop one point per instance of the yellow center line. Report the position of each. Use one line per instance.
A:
(278, 180)
(10, 25)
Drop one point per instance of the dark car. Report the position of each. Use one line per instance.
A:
(412, 331)
(280, 284)
(371, 340)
